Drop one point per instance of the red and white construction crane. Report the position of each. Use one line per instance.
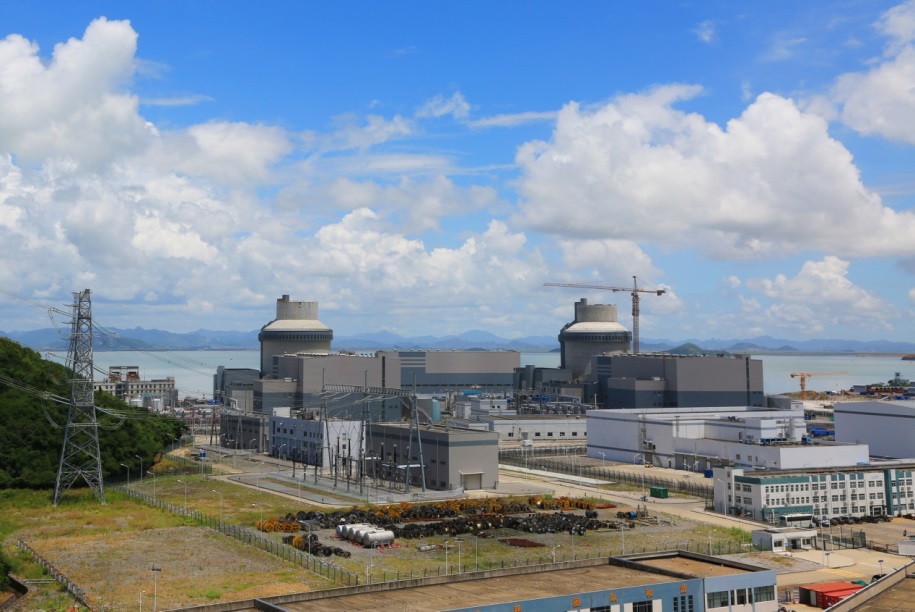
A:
(635, 302)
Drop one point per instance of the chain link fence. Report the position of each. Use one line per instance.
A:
(288, 553)
(75, 590)
(566, 460)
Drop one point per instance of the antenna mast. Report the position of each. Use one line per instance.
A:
(80, 456)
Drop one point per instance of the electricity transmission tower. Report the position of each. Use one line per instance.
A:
(80, 456)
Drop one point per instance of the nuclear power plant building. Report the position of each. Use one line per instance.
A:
(595, 331)
(296, 329)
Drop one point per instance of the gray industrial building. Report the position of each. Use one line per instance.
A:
(297, 367)
(334, 444)
(453, 458)
(452, 371)
(595, 331)
(247, 432)
(389, 452)
(671, 381)
(234, 387)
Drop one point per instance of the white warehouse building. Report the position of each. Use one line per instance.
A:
(887, 427)
(700, 438)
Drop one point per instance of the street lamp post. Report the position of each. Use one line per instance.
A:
(185, 493)
(140, 600)
(476, 552)
(155, 571)
(459, 542)
(623, 538)
(220, 505)
(251, 444)
(128, 473)
(141, 467)
(309, 538)
(153, 474)
(371, 565)
(261, 508)
(603, 458)
(447, 545)
(724, 497)
(636, 458)
(554, 551)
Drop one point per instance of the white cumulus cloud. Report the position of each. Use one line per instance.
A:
(880, 101)
(74, 105)
(821, 295)
(771, 182)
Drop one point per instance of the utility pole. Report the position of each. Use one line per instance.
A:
(80, 456)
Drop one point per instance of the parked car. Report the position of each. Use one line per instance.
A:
(825, 522)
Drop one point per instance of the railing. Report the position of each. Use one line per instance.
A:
(544, 458)
(78, 592)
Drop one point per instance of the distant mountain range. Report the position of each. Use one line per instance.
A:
(50, 339)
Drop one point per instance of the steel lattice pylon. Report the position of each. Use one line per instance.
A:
(80, 456)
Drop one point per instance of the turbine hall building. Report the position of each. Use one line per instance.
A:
(687, 381)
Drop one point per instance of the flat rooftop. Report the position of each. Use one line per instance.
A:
(694, 567)
(899, 597)
(522, 587)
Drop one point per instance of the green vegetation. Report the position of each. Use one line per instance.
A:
(692, 349)
(32, 436)
(33, 429)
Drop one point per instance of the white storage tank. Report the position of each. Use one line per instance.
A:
(381, 537)
(352, 529)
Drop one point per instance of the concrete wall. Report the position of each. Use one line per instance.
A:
(270, 394)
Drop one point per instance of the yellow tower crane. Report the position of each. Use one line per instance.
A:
(804, 375)
(635, 302)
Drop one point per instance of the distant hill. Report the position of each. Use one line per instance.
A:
(692, 349)
(143, 339)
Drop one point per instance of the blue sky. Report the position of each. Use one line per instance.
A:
(424, 167)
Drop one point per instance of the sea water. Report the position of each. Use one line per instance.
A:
(193, 371)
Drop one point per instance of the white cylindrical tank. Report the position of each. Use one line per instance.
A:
(360, 533)
(381, 537)
(351, 530)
